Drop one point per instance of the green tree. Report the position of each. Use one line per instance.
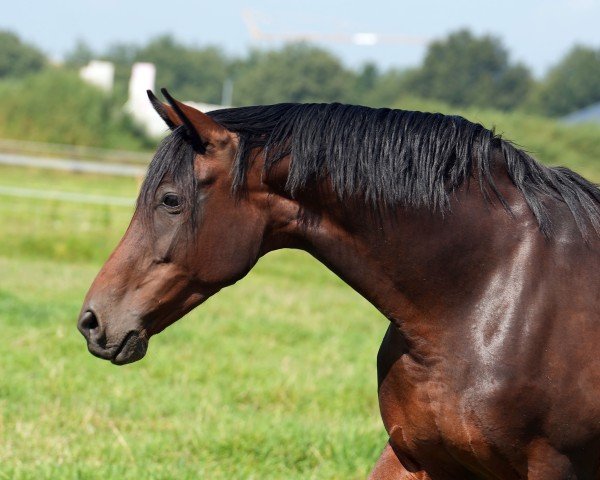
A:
(80, 55)
(57, 106)
(18, 58)
(365, 81)
(295, 73)
(465, 70)
(191, 73)
(388, 87)
(122, 55)
(572, 84)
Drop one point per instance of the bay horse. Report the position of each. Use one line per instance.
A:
(485, 263)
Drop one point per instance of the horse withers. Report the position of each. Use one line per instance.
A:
(484, 262)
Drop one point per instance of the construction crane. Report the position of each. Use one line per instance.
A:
(359, 38)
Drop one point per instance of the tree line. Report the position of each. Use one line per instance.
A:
(461, 70)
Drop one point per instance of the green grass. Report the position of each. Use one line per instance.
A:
(273, 378)
(69, 182)
(51, 229)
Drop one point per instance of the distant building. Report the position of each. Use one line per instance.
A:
(590, 113)
(143, 76)
(99, 73)
(138, 106)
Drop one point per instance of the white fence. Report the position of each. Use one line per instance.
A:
(72, 165)
(78, 160)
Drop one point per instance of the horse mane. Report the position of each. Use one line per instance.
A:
(390, 157)
(399, 157)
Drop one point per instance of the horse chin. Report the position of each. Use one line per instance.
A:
(132, 349)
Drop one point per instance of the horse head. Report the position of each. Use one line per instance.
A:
(191, 235)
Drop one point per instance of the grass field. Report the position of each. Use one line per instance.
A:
(273, 378)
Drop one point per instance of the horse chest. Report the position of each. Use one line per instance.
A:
(429, 423)
(422, 414)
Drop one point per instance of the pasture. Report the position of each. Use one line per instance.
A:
(273, 378)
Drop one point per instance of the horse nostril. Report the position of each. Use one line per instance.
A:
(88, 323)
(93, 331)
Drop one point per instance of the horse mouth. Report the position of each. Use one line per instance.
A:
(132, 348)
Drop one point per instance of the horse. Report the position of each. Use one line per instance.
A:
(485, 263)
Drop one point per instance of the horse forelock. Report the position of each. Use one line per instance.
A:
(173, 161)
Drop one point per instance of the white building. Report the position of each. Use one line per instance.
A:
(143, 76)
(100, 74)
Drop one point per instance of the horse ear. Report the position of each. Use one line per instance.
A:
(164, 111)
(202, 129)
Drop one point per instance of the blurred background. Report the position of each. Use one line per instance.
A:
(274, 377)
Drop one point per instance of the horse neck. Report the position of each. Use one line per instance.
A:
(416, 266)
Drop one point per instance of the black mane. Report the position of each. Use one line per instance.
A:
(397, 157)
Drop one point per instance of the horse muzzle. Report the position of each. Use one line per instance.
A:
(130, 346)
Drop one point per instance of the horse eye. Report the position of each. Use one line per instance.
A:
(171, 200)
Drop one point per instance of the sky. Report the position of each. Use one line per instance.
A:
(536, 32)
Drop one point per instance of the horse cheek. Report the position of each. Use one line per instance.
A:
(225, 257)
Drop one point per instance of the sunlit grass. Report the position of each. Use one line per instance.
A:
(273, 378)
(69, 182)
(68, 231)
